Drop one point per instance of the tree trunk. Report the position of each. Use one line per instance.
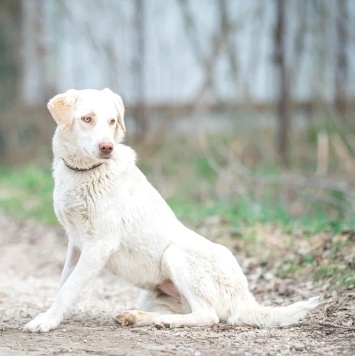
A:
(282, 85)
(141, 112)
(10, 36)
(341, 73)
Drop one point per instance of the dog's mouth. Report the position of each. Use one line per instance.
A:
(96, 155)
(105, 155)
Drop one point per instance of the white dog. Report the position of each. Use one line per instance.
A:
(115, 219)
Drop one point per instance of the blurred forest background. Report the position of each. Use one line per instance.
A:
(240, 109)
(243, 117)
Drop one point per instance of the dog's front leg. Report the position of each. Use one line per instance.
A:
(71, 260)
(91, 262)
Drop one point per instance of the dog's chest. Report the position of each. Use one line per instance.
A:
(76, 204)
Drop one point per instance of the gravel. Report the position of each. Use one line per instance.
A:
(32, 256)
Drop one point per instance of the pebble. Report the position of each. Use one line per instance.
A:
(298, 347)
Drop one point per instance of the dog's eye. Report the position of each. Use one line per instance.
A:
(86, 119)
(112, 122)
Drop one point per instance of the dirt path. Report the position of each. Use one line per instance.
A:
(31, 260)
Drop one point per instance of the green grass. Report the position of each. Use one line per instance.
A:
(181, 170)
(27, 193)
(330, 261)
(339, 276)
(242, 214)
(335, 273)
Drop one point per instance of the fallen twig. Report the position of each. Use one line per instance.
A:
(336, 326)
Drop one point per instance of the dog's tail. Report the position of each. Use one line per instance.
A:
(253, 314)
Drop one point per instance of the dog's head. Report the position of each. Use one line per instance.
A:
(92, 120)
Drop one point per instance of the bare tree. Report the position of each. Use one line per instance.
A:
(141, 112)
(341, 72)
(221, 40)
(9, 50)
(283, 115)
(227, 31)
(10, 33)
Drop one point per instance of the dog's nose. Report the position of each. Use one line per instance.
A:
(106, 147)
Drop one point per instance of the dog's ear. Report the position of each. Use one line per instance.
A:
(62, 106)
(119, 106)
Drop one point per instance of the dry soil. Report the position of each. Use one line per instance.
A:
(32, 256)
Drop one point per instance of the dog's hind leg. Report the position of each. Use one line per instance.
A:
(191, 278)
(135, 318)
(201, 314)
(151, 306)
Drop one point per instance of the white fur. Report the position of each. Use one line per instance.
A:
(115, 219)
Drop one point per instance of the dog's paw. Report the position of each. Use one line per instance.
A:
(166, 322)
(125, 319)
(160, 325)
(42, 324)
